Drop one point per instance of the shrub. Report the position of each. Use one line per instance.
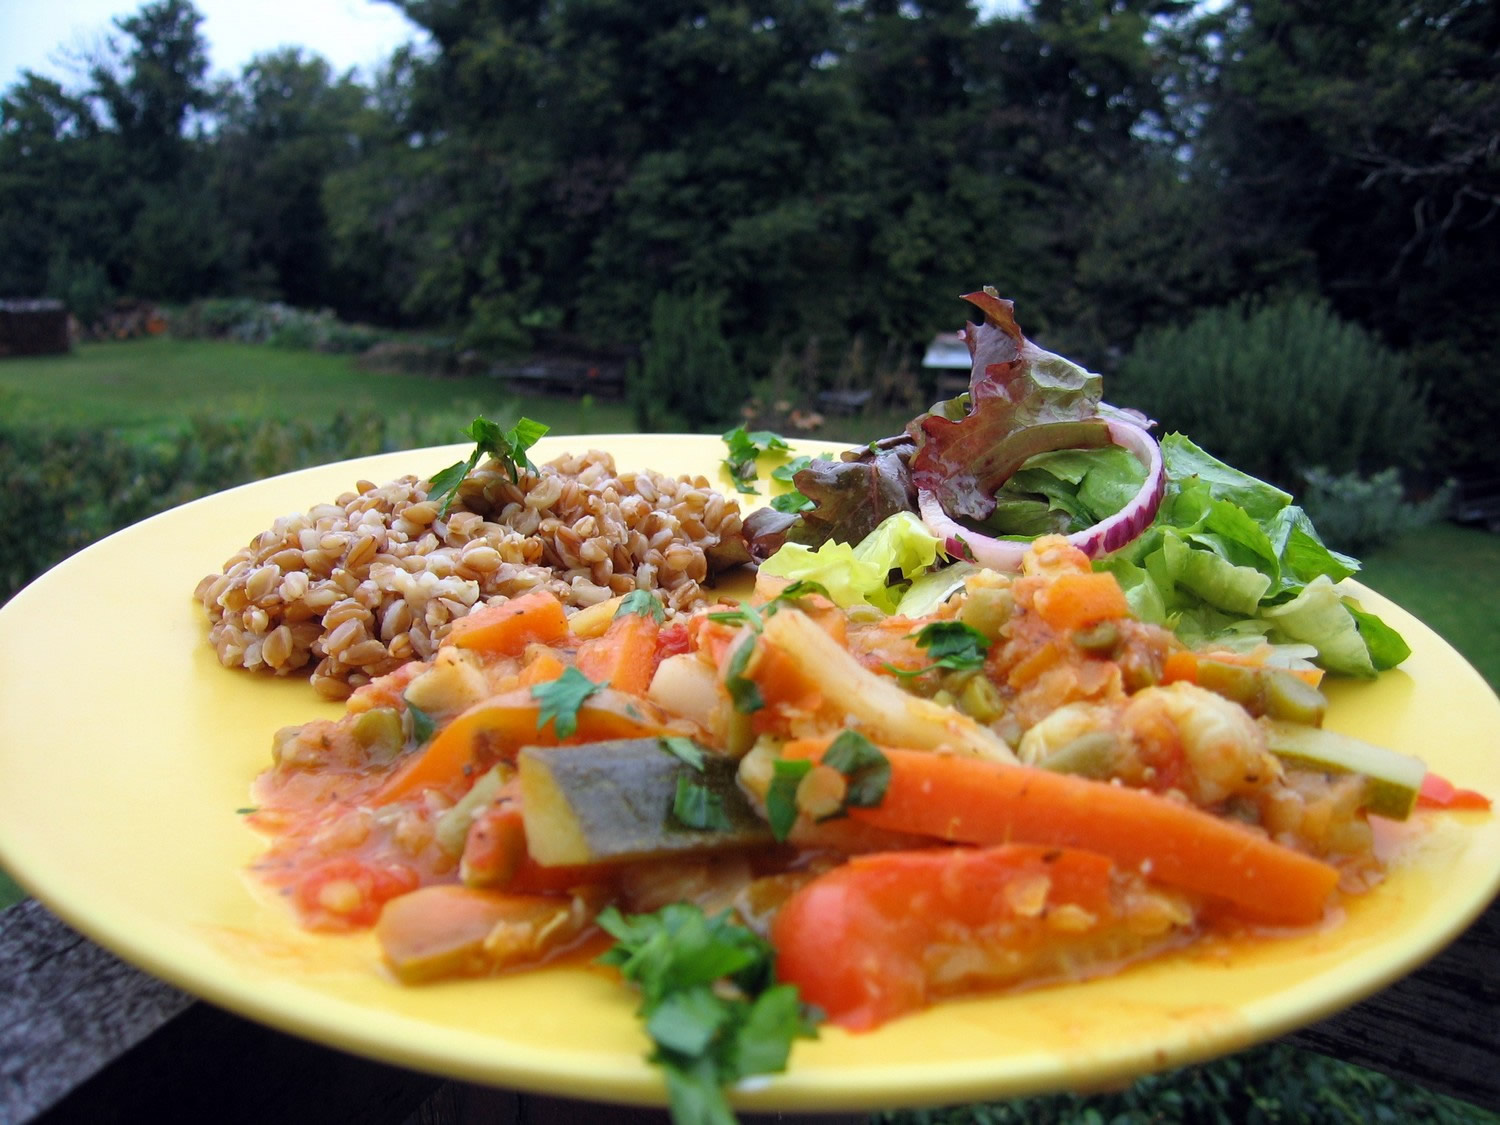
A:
(687, 369)
(1268, 1084)
(1278, 390)
(69, 487)
(249, 321)
(1355, 513)
(83, 286)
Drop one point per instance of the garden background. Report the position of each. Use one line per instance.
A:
(1272, 225)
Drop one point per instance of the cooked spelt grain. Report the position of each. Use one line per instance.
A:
(377, 578)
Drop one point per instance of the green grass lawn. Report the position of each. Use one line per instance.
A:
(144, 386)
(1445, 575)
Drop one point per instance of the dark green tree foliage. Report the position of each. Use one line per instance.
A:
(60, 175)
(1357, 145)
(150, 85)
(285, 127)
(688, 375)
(108, 189)
(1077, 123)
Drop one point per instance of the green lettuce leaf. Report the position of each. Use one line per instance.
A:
(1230, 559)
(853, 575)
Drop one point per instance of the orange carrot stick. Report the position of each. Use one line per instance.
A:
(1075, 599)
(542, 666)
(502, 725)
(507, 628)
(624, 656)
(986, 802)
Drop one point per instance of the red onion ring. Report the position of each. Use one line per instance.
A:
(1107, 535)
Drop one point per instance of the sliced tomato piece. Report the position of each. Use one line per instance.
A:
(887, 933)
(1438, 792)
(347, 893)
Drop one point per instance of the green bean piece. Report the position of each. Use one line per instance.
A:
(1101, 638)
(1088, 755)
(378, 730)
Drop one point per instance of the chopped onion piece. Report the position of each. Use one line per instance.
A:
(1105, 536)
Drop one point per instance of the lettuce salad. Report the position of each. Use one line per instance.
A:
(1198, 546)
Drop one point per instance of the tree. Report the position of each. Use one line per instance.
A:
(60, 205)
(284, 128)
(150, 86)
(1364, 138)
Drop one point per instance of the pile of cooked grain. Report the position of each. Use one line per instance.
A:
(376, 578)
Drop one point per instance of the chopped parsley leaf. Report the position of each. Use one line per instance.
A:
(642, 603)
(695, 805)
(954, 647)
(745, 446)
(561, 700)
(781, 797)
(684, 749)
(743, 691)
(864, 767)
(710, 1002)
(423, 725)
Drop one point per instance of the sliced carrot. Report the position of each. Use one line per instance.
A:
(623, 656)
(986, 802)
(1180, 667)
(782, 681)
(542, 666)
(507, 628)
(502, 725)
(494, 846)
(1075, 599)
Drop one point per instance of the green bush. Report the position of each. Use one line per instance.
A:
(688, 372)
(1355, 513)
(1272, 1084)
(248, 321)
(82, 286)
(1278, 390)
(69, 487)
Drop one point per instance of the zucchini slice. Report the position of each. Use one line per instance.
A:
(1393, 779)
(609, 801)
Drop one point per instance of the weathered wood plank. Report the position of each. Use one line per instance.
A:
(67, 1008)
(1439, 1027)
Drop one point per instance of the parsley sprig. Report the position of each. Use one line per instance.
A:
(506, 446)
(694, 804)
(561, 699)
(642, 603)
(745, 446)
(866, 771)
(744, 692)
(710, 1002)
(953, 646)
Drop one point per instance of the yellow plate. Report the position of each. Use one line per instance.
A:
(125, 751)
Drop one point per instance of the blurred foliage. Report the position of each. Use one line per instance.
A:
(1275, 1084)
(1279, 389)
(534, 175)
(250, 321)
(69, 486)
(1355, 514)
(688, 374)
